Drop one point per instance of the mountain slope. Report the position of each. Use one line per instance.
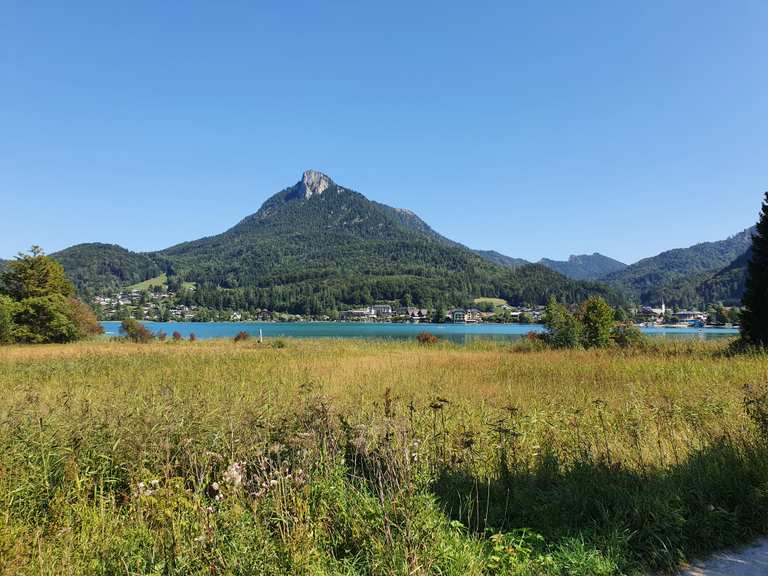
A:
(501, 259)
(648, 279)
(727, 285)
(100, 267)
(316, 246)
(585, 266)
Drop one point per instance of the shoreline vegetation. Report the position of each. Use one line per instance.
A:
(297, 456)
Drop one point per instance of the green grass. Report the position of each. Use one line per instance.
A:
(149, 284)
(160, 280)
(347, 457)
(494, 301)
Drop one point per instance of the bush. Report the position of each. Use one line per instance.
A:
(177, 336)
(427, 338)
(192, 337)
(162, 336)
(628, 336)
(242, 336)
(531, 342)
(135, 331)
(84, 319)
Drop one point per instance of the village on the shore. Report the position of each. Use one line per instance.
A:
(161, 305)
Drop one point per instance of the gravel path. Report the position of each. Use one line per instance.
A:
(749, 561)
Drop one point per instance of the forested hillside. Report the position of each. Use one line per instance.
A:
(676, 274)
(724, 286)
(99, 267)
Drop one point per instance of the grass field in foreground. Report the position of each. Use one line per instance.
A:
(368, 457)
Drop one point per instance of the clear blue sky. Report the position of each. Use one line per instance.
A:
(533, 128)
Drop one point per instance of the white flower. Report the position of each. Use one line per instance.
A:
(233, 475)
(144, 490)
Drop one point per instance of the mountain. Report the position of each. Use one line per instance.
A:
(501, 259)
(585, 266)
(99, 267)
(678, 272)
(317, 246)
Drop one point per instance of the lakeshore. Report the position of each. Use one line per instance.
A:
(389, 330)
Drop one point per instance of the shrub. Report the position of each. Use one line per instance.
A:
(427, 338)
(241, 336)
(531, 342)
(162, 336)
(84, 319)
(135, 331)
(192, 337)
(176, 336)
(628, 335)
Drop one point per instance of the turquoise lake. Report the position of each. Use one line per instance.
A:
(454, 332)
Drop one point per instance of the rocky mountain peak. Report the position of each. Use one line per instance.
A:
(314, 183)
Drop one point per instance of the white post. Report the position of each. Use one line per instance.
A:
(260, 337)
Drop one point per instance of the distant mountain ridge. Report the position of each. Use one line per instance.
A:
(677, 274)
(585, 266)
(501, 259)
(579, 267)
(316, 246)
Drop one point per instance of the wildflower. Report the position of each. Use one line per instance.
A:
(233, 475)
(148, 490)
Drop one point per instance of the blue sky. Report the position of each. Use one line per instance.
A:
(532, 128)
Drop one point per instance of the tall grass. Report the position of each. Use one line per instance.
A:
(344, 457)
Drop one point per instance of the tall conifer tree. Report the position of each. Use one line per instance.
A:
(754, 317)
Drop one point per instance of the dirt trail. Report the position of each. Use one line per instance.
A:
(749, 561)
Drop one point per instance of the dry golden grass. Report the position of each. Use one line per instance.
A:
(83, 423)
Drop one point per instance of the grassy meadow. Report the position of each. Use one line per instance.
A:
(371, 457)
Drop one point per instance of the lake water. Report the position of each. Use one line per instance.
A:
(455, 332)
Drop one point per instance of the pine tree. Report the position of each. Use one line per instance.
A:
(754, 316)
